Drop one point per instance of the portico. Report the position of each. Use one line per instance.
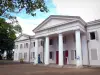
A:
(56, 28)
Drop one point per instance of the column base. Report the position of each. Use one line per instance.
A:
(79, 66)
(60, 66)
(46, 64)
(35, 64)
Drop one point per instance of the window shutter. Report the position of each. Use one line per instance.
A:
(94, 54)
(72, 54)
(96, 35)
(41, 55)
(31, 55)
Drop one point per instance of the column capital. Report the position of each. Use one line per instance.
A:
(77, 30)
(60, 33)
(47, 36)
(36, 38)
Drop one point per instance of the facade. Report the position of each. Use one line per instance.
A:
(61, 40)
(25, 48)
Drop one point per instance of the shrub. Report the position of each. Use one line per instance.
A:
(21, 60)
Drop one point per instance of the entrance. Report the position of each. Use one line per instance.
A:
(65, 53)
(65, 57)
(57, 57)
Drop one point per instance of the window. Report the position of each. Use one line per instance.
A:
(16, 46)
(73, 54)
(92, 36)
(34, 44)
(94, 54)
(33, 54)
(51, 42)
(26, 45)
(21, 45)
(16, 55)
(51, 55)
(20, 55)
(64, 39)
(42, 43)
(25, 56)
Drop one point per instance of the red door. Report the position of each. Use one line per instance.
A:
(57, 57)
(65, 56)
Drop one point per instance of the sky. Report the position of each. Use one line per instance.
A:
(88, 10)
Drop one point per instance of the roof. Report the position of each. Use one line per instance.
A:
(93, 22)
(58, 16)
(26, 35)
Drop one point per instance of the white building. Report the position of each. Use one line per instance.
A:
(61, 40)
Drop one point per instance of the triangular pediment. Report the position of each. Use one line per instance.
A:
(22, 37)
(54, 20)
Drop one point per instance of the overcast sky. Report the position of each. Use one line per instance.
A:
(87, 9)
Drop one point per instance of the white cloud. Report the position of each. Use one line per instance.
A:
(87, 9)
(28, 24)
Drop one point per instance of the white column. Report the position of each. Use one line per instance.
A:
(60, 50)
(36, 51)
(78, 48)
(46, 50)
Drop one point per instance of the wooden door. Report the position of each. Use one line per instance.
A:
(57, 57)
(66, 57)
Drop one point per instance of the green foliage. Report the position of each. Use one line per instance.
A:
(16, 6)
(7, 36)
(21, 60)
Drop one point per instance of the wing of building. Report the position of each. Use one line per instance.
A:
(61, 40)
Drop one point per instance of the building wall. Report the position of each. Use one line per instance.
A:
(26, 50)
(21, 50)
(69, 45)
(87, 46)
(94, 44)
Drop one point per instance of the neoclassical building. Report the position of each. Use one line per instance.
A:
(61, 40)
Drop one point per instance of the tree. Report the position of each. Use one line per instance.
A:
(7, 36)
(16, 6)
(7, 31)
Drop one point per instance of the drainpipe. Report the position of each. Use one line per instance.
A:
(87, 48)
(29, 48)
